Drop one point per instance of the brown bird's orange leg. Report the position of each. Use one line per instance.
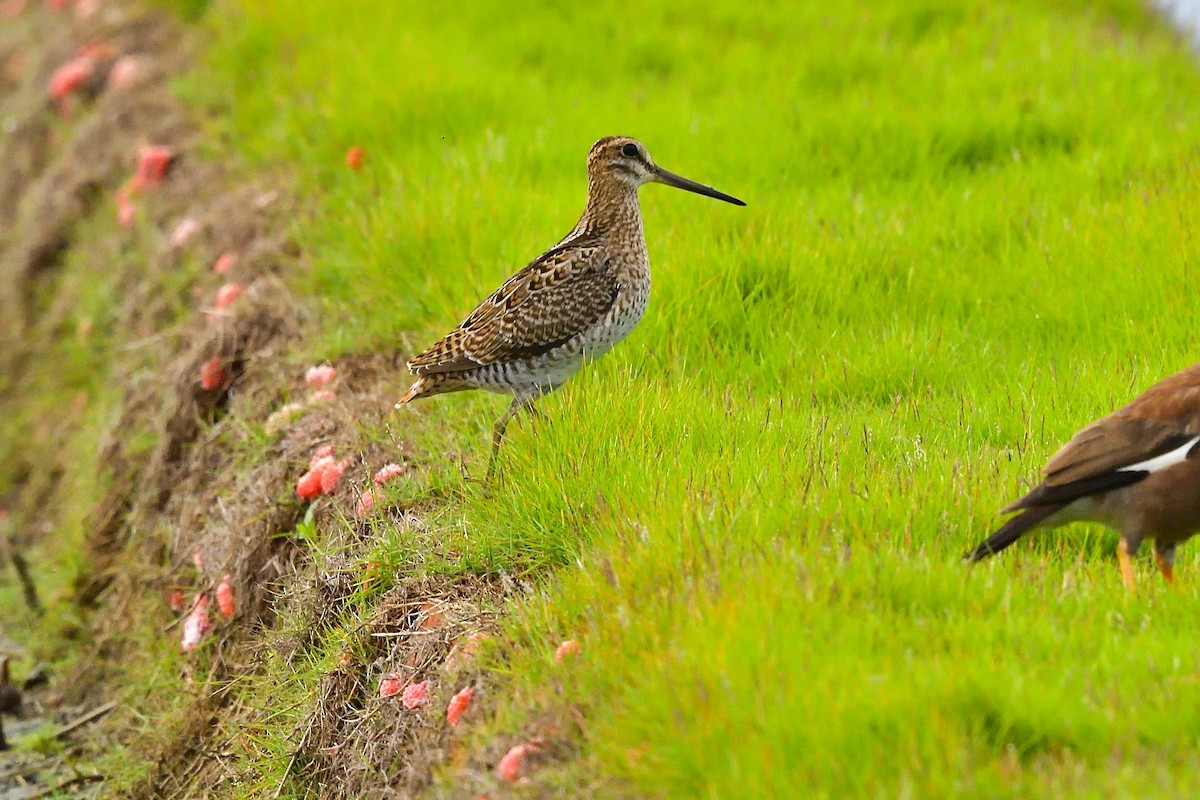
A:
(1164, 566)
(1125, 558)
(1165, 558)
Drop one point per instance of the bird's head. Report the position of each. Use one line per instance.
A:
(626, 161)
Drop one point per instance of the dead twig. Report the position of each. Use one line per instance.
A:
(94, 714)
(53, 790)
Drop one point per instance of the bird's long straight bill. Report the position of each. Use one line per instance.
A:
(680, 182)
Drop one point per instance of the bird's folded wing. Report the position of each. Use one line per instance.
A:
(545, 305)
(1107, 455)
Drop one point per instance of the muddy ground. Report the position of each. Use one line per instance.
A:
(176, 494)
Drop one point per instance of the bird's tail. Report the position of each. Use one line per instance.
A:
(414, 391)
(1010, 531)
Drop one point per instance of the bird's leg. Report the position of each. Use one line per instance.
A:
(1125, 551)
(3, 684)
(498, 434)
(519, 402)
(1164, 556)
(534, 414)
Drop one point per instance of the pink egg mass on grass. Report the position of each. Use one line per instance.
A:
(387, 472)
(125, 208)
(566, 650)
(70, 76)
(365, 504)
(224, 263)
(225, 602)
(324, 472)
(153, 162)
(320, 377)
(196, 625)
(510, 766)
(389, 686)
(331, 474)
(458, 704)
(212, 374)
(184, 230)
(228, 294)
(125, 72)
(416, 695)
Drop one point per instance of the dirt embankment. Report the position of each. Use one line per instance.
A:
(165, 445)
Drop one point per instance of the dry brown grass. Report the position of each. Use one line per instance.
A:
(186, 470)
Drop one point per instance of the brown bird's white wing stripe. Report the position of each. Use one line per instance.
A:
(549, 302)
(1159, 429)
(1158, 421)
(1115, 451)
(1111, 443)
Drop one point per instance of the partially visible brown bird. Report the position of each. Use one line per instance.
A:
(10, 695)
(1136, 470)
(10, 698)
(570, 304)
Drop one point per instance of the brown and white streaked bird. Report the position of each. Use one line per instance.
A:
(570, 304)
(1136, 470)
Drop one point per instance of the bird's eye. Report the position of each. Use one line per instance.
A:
(630, 150)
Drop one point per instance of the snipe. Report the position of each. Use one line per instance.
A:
(570, 304)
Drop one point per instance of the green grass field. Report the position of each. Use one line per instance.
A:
(969, 232)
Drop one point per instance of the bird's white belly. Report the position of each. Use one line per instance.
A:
(548, 372)
(607, 334)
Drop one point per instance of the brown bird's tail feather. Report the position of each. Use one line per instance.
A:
(1010, 531)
